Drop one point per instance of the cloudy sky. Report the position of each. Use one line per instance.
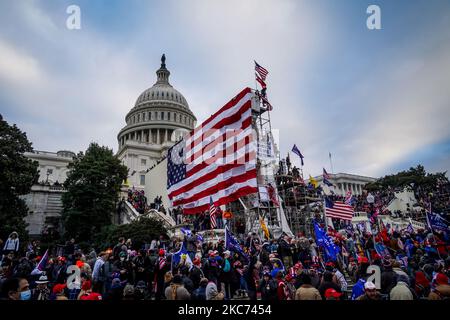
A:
(378, 100)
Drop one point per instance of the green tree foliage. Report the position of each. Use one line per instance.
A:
(140, 232)
(17, 174)
(414, 177)
(92, 185)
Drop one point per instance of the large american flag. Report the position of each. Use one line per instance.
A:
(338, 210)
(217, 159)
(261, 71)
(212, 213)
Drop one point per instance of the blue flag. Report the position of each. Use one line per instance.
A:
(297, 152)
(381, 249)
(323, 240)
(232, 244)
(177, 256)
(186, 231)
(410, 228)
(326, 178)
(436, 222)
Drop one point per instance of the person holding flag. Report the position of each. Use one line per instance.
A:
(181, 258)
(324, 241)
(40, 267)
(232, 244)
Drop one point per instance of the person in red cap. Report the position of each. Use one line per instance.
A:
(162, 266)
(328, 283)
(92, 296)
(86, 289)
(442, 290)
(196, 273)
(58, 291)
(332, 294)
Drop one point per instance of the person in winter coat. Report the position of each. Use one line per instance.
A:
(98, 274)
(212, 268)
(306, 290)
(196, 273)
(41, 292)
(226, 274)
(268, 288)
(116, 291)
(422, 284)
(327, 283)
(199, 294)
(212, 293)
(388, 277)
(401, 291)
(139, 266)
(191, 244)
(176, 290)
(185, 280)
(12, 243)
(442, 290)
(370, 292)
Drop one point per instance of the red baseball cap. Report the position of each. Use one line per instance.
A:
(332, 293)
(58, 288)
(363, 260)
(441, 279)
(92, 296)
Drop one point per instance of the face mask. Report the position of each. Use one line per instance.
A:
(25, 295)
(122, 259)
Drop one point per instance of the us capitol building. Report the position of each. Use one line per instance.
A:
(159, 117)
(157, 120)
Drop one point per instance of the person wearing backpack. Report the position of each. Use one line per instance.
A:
(227, 274)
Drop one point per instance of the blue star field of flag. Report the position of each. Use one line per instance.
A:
(176, 164)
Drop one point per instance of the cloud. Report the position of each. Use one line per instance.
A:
(331, 91)
(17, 66)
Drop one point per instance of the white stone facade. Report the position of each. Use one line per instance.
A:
(344, 182)
(53, 166)
(44, 200)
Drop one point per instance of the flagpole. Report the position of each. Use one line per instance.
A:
(432, 232)
(325, 213)
(331, 162)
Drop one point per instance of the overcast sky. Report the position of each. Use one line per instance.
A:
(378, 100)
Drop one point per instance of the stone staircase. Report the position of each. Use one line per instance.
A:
(130, 214)
(54, 205)
(350, 284)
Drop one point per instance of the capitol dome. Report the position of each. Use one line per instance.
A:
(158, 114)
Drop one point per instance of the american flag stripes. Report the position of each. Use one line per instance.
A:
(261, 71)
(260, 81)
(217, 159)
(212, 213)
(338, 210)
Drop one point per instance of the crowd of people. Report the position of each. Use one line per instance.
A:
(415, 265)
(138, 200)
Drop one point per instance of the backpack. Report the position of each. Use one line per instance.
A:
(227, 266)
